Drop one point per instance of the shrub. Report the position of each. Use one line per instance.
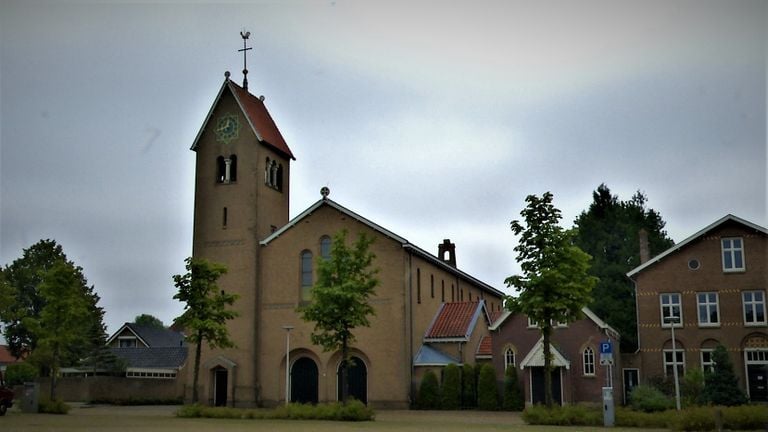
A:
(450, 392)
(568, 415)
(629, 418)
(353, 411)
(692, 387)
(745, 417)
(52, 407)
(137, 401)
(649, 399)
(695, 419)
(513, 394)
(429, 392)
(487, 394)
(468, 387)
(19, 373)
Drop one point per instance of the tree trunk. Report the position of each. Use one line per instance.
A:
(344, 371)
(53, 373)
(196, 374)
(546, 333)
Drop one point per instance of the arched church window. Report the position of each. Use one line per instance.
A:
(232, 168)
(325, 247)
(589, 361)
(221, 168)
(306, 276)
(509, 358)
(268, 173)
(273, 174)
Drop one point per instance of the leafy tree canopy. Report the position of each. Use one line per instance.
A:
(609, 232)
(555, 284)
(206, 309)
(148, 321)
(22, 301)
(345, 282)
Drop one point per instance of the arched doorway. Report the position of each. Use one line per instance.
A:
(358, 380)
(304, 381)
(220, 379)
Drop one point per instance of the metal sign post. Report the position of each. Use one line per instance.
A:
(606, 359)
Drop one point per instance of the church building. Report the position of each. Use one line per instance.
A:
(241, 219)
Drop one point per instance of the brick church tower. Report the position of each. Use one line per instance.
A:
(242, 189)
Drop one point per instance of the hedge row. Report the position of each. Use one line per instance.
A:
(352, 411)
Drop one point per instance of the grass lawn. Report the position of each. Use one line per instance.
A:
(162, 419)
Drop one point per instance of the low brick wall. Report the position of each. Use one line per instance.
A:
(103, 388)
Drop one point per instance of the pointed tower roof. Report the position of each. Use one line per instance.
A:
(254, 110)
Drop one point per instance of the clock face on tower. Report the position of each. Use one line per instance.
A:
(227, 128)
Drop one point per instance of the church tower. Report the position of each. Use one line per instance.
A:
(242, 191)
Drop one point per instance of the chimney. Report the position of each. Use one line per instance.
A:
(446, 247)
(645, 251)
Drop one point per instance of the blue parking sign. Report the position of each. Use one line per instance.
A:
(606, 347)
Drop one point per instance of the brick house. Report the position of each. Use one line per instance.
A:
(578, 374)
(713, 284)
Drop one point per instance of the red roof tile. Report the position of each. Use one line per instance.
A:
(5, 355)
(493, 316)
(484, 348)
(453, 320)
(260, 119)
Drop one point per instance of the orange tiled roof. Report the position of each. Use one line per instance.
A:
(260, 119)
(484, 348)
(5, 355)
(454, 320)
(493, 316)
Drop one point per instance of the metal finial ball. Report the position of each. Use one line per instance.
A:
(226, 74)
(324, 191)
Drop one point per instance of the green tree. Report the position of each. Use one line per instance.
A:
(429, 392)
(60, 324)
(513, 393)
(20, 289)
(487, 393)
(555, 284)
(206, 309)
(468, 386)
(148, 321)
(22, 302)
(339, 303)
(609, 232)
(450, 393)
(721, 386)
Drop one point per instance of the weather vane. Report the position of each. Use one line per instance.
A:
(245, 35)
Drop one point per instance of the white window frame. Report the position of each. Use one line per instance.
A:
(732, 251)
(507, 363)
(534, 324)
(588, 361)
(671, 305)
(133, 339)
(755, 304)
(707, 365)
(708, 305)
(680, 364)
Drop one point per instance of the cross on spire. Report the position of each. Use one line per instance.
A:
(245, 36)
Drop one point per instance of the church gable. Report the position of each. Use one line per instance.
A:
(257, 120)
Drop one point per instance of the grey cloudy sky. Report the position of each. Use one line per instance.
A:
(433, 119)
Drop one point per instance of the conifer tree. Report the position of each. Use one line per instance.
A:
(513, 393)
(450, 392)
(468, 386)
(487, 393)
(721, 386)
(429, 392)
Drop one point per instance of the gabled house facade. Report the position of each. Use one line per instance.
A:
(149, 352)
(712, 288)
(578, 376)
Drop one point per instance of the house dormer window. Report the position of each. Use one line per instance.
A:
(733, 254)
(127, 342)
